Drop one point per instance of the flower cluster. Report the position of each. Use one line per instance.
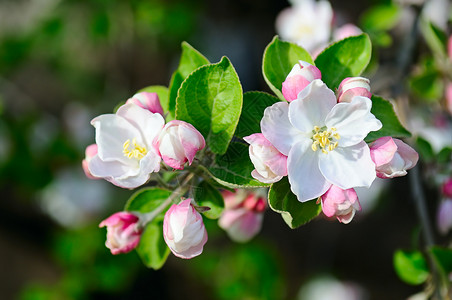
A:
(317, 140)
(131, 143)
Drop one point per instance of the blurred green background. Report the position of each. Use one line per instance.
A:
(62, 62)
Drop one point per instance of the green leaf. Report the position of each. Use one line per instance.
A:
(428, 85)
(233, 169)
(294, 212)
(147, 199)
(254, 104)
(211, 100)
(279, 59)
(152, 248)
(425, 149)
(163, 93)
(436, 39)
(383, 111)
(443, 259)
(207, 195)
(380, 17)
(411, 266)
(346, 58)
(191, 59)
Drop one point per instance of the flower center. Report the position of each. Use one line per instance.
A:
(136, 152)
(324, 138)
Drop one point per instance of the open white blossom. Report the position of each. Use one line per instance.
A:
(126, 155)
(323, 140)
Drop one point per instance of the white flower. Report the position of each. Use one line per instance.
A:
(323, 140)
(307, 23)
(126, 155)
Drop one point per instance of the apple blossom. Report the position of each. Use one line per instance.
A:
(307, 23)
(90, 151)
(449, 97)
(345, 31)
(178, 143)
(323, 139)
(444, 216)
(270, 164)
(353, 86)
(184, 231)
(340, 203)
(392, 157)
(123, 232)
(126, 155)
(243, 214)
(149, 101)
(302, 74)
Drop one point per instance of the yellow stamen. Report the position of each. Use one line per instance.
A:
(325, 139)
(137, 152)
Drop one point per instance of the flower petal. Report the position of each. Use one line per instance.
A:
(312, 106)
(306, 180)
(277, 128)
(348, 167)
(353, 120)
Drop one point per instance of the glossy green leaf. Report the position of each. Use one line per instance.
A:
(191, 59)
(254, 104)
(411, 266)
(207, 195)
(163, 93)
(211, 100)
(384, 111)
(346, 58)
(147, 199)
(152, 249)
(295, 213)
(279, 59)
(443, 259)
(233, 169)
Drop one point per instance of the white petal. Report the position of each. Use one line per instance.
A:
(306, 180)
(312, 106)
(348, 167)
(148, 123)
(276, 127)
(353, 120)
(111, 133)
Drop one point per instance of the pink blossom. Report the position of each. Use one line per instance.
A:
(449, 97)
(299, 77)
(184, 231)
(444, 216)
(90, 152)
(353, 86)
(392, 157)
(270, 164)
(123, 232)
(346, 31)
(178, 143)
(447, 188)
(340, 203)
(243, 214)
(149, 101)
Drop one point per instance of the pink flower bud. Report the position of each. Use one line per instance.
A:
(123, 232)
(392, 157)
(178, 143)
(444, 216)
(345, 31)
(270, 164)
(243, 215)
(301, 76)
(340, 203)
(447, 188)
(149, 101)
(353, 86)
(184, 231)
(90, 152)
